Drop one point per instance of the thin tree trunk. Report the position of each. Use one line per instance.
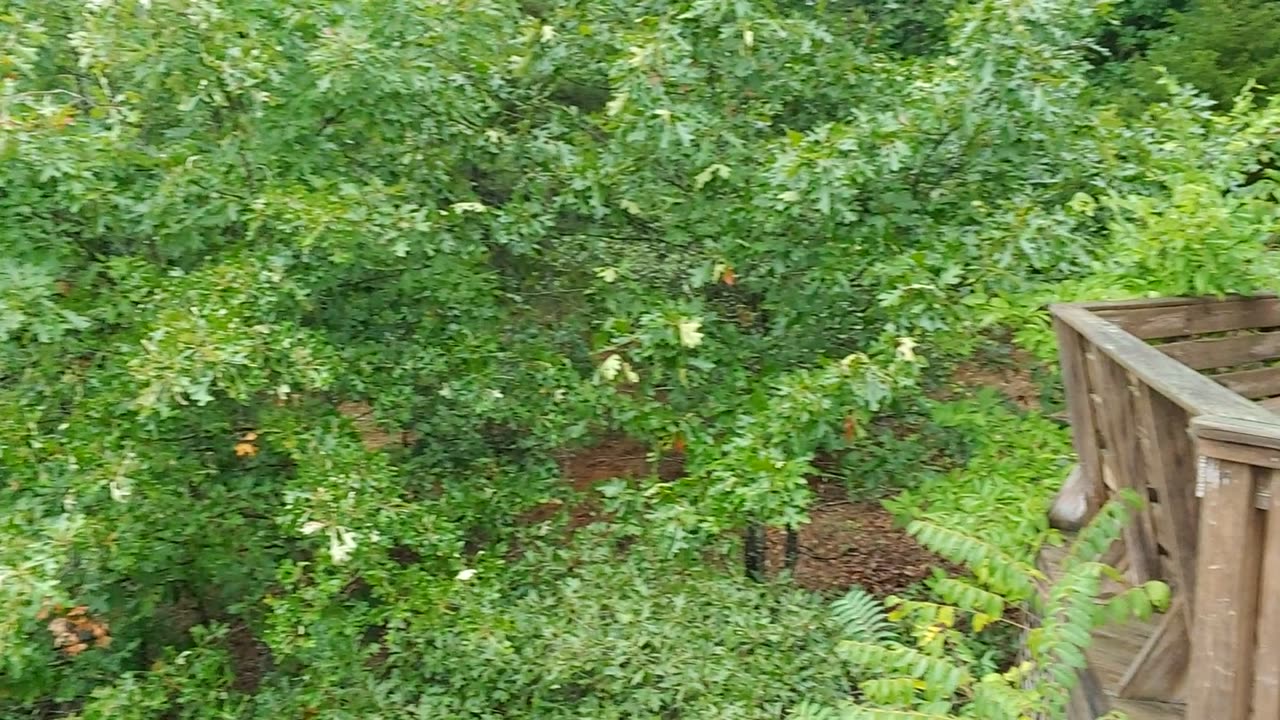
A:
(793, 549)
(754, 551)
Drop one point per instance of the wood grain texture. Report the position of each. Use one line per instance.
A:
(1195, 318)
(1253, 384)
(1235, 452)
(1266, 672)
(1119, 429)
(1263, 433)
(1224, 352)
(1222, 644)
(1169, 455)
(1190, 390)
(1159, 670)
(1072, 353)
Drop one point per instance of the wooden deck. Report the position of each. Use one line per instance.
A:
(1113, 650)
(1110, 656)
(1178, 401)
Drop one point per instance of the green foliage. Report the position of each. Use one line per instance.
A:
(300, 302)
(939, 677)
(1004, 489)
(1219, 47)
(618, 636)
(862, 617)
(1133, 26)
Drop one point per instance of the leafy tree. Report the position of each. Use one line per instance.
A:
(1220, 46)
(299, 301)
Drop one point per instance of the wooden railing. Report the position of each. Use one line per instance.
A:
(1146, 416)
(1235, 665)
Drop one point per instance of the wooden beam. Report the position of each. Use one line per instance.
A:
(1220, 682)
(1119, 429)
(1088, 698)
(1235, 452)
(1195, 318)
(1072, 352)
(1239, 440)
(1170, 458)
(1266, 673)
(1264, 433)
(1159, 670)
(1260, 383)
(1224, 352)
(1139, 303)
(1190, 390)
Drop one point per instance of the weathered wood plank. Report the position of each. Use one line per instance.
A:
(1109, 472)
(1137, 303)
(1221, 674)
(1119, 428)
(1159, 670)
(1072, 353)
(1190, 390)
(1271, 405)
(1224, 352)
(1235, 452)
(1113, 649)
(1266, 672)
(1163, 531)
(1259, 383)
(1195, 318)
(1145, 710)
(1170, 458)
(1245, 431)
(1088, 699)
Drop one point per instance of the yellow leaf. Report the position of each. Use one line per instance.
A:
(688, 331)
(947, 616)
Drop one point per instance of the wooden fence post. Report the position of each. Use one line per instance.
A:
(1234, 666)
(1084, 429)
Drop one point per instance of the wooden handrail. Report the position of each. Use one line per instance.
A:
(1206, 455)
(1192, 391)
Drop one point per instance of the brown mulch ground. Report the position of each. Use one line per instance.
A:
(613, 457)
(845, 544)
(852, 543)
(251, 659)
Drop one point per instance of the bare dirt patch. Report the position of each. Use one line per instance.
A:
(852, 543)
(587, 468)
(1015, 379)
(846, 543)
(251, 659)
(373, 435)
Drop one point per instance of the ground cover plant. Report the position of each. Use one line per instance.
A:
(312, 315)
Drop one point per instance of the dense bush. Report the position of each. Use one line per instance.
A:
(1215, 46)
(235, 235)
(1220, 46)
(615, 637)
